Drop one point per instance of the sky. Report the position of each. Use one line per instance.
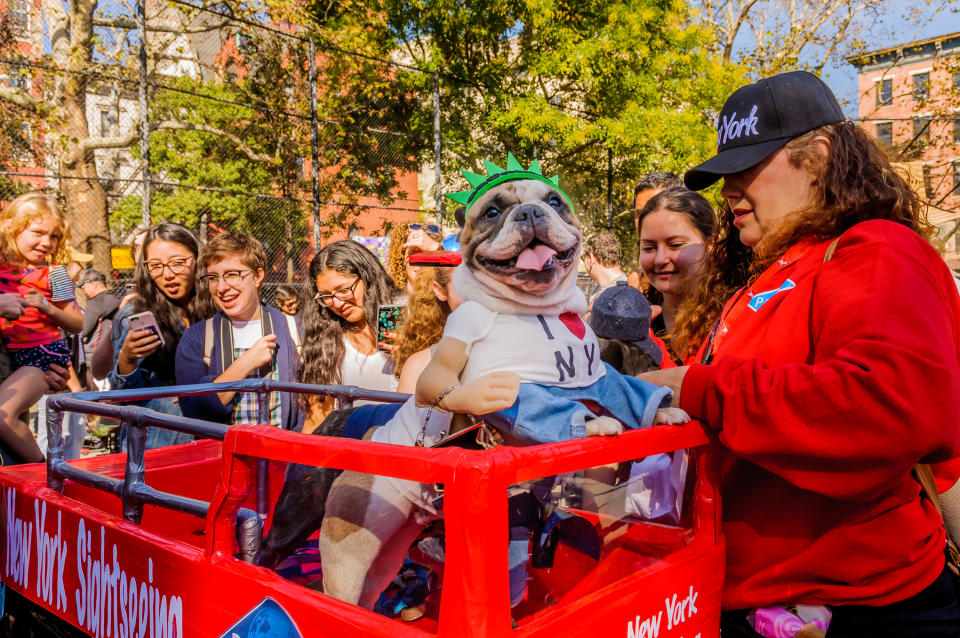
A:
(891, 31)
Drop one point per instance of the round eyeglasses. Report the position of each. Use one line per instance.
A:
(343, 294)
(232, 278)
(176, 266)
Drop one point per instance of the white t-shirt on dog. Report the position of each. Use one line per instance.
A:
(550, 350)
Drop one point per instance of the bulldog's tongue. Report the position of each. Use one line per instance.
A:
(534, 258)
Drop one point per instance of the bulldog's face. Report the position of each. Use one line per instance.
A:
(523, 234)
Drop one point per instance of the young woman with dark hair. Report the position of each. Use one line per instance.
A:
(674, 228)
(339, 324)
(832, 370)
(166, 284)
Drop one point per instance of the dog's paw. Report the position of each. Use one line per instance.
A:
(670, 416)
(604, 426)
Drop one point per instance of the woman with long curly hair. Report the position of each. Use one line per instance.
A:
(674, 227)
(432, 301)
(339, 324)
(832, 370)
(166, 282)
(409, 238)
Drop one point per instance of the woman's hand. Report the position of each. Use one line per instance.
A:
(11, 306)
(137, 345)
(670, 377)
(260, 353)
(418, 241)
(390, 342)
(56, 378)
(35, 299)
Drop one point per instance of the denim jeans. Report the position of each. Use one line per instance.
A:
(547, 414)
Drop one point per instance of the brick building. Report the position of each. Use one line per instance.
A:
(909, 99)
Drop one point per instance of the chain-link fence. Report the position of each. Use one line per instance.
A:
(236, 122)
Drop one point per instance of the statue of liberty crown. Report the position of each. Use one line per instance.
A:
(497, 175)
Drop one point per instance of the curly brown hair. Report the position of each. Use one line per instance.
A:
(426, 316)
(856, 183)
(396, 255)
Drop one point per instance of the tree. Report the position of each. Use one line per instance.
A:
(89, 50)
(569, 82)
(772, 36)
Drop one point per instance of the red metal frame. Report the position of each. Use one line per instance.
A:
(215, 589)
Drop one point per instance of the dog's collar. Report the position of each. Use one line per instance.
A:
(496, 175)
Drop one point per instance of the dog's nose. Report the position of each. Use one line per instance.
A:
(528, 213)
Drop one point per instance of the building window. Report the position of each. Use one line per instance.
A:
(956, 130)
(19, 13)
(955, 192)
(921, 132)
(884, 92)
(921, 87)
(927, 182)
(885, 134)
(26, 132)
(106, 123)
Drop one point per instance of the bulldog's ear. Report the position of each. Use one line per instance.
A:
(460, 215)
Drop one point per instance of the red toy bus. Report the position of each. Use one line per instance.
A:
(165, 543)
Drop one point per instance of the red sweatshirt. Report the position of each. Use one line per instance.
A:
(826, 394)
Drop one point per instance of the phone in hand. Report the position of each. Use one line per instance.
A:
(389, 319)
(146, 321)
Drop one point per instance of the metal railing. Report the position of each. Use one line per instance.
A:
(133, 490)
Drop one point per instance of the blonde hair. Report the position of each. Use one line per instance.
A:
(23, 210)
(426, 316)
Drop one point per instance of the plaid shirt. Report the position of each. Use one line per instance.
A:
(246, 410)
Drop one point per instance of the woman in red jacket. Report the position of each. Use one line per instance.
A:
(831, 370)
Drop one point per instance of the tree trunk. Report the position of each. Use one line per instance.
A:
(85, 198)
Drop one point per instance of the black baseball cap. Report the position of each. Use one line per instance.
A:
(621, 312)
(762, 117)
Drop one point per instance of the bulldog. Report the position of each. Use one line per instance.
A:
(516, 352)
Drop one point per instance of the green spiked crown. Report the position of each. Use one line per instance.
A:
(496, 176)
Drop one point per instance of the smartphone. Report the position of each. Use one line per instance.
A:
(389, 319)
(146, 321)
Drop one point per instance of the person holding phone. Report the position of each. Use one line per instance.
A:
(348, 285)
(244, 340)
(165, 282)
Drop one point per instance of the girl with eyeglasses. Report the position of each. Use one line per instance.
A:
(340, 334)
(246, 339)
(165, 282)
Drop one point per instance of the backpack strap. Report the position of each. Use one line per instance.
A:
(830, 250)
(207, 341)
(294, 332)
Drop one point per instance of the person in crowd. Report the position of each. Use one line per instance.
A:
(77, 262)
(245, 339)
(340, 333)
(829, 372)
(288, 299)
(648, 186)
(432, 301)
(674, 227)
(34, 232)
(98, 315)
(410, 238)
(601, 260)
(166, 285)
